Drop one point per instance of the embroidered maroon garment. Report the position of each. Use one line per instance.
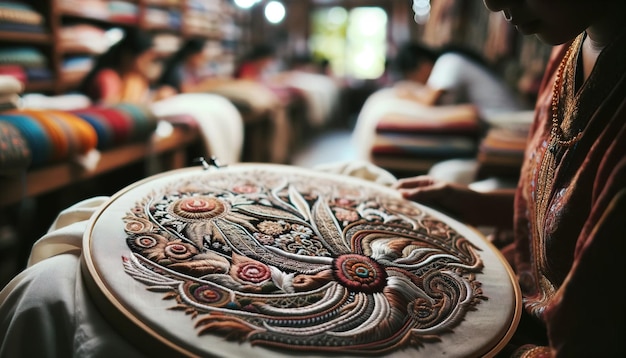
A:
(570, 217)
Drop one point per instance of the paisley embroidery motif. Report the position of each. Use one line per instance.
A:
(280, 261)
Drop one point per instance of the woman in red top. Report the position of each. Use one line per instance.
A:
(569, 209)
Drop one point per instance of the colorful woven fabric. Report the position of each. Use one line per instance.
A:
(144, 121)
(119, 124)
(82, 134)
(24, 56)
(103, 129)
(14, 150)
(430, 146)
(34, 133)
(55, 131)
(66, 134)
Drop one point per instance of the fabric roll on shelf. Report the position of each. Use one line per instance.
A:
(10, 88)
(25, 63)
(103, 128)
(69, 135)
(15, 154)
(119, 124)
(38, 141)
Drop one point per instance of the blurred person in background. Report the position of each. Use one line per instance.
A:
(124, 72)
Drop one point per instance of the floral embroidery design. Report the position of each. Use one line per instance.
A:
(292, 263)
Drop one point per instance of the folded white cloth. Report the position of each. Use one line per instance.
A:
(219, 120)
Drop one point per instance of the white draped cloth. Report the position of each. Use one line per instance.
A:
(45, 311)
(220, 122)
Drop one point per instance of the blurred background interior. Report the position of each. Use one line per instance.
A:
(299, 82)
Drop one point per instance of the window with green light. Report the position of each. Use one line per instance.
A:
(353, 41)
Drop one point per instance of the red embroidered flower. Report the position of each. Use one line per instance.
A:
(254, 272)
(359, 273)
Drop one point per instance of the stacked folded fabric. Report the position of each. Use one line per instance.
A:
(413, 143)
(10, 89)
(123, 11)
(203, 17)
(162, 18)
(27, 64)
(84, 38)
(98, 9)
(501, 152)
(117, 11)
(19, 16)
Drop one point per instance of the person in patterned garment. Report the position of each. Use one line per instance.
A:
(569, 209)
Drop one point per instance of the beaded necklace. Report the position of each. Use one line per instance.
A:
(556, 132)
(547, 171)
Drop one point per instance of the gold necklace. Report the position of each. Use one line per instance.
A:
(556, 132)
(545, 176)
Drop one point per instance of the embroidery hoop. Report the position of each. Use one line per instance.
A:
(131, 308)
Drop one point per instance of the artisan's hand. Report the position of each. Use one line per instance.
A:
(448, 197)
(494, 208)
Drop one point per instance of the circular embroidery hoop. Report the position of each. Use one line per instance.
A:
(266, 260)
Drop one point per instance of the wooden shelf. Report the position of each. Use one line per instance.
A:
(42, 180)
(26, 37)
(103, 20)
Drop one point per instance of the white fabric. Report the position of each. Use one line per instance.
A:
(461, 171)
(321, 94)
(219, 120)
(467, 82)
(65, 102)
(45, 311)
(359, 169)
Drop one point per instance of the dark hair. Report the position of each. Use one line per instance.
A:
(260, 51)
(171, 75)
(134, 43)
(411, 55)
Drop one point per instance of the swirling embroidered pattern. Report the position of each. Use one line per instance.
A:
(301, 265)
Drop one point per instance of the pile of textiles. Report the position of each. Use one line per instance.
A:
(157, 17)
(405, 136)
(54, 136)
(25, 63)
(90, 8)
(14, 150)
(123, 11)
(501, 152)
(20, 17)
(10, 89)
(415, 143)
(84, 42)
(83, 38)
(204, 17)
(118, 11)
